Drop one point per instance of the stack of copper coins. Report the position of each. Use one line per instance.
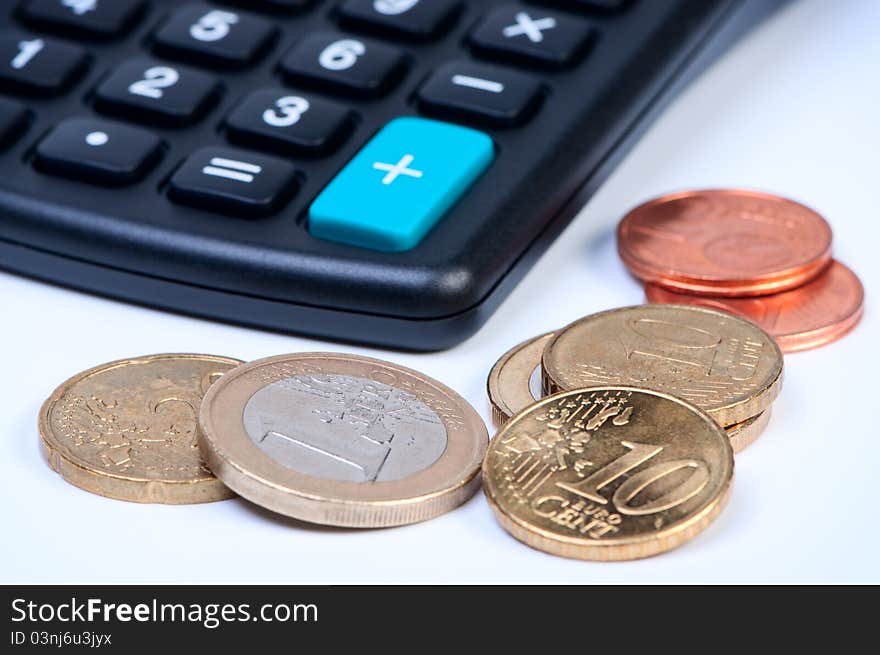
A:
(757, 255)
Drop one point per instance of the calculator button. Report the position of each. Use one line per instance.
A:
(13, 121)
(422, 19)
(339, 63)
(277, 119)
(401, 184)
(102, 19)
(587, 5)
(233, 182)
(534, 36)
(150, 90)
(481, 93)
(38, 65)
(214, 36)
(275, 6)
(98, 151)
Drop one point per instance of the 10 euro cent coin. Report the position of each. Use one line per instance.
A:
(612, 473)
(342, 440)
(723, 364)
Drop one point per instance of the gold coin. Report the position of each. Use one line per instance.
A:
(128, 429)
(508, 383)
(744, 434)
(611, 473)
(723, 364)
(510, 392)
(342, 440)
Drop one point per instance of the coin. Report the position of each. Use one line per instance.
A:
(128, 429)
(510, 392)
(724, 243)
(342, 440)
(818, 313)
(508, 383)
(746, 433)
(725, 365)
(611, 473)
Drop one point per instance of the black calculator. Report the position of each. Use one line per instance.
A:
(377, 171)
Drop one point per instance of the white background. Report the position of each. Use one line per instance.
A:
(793, 109)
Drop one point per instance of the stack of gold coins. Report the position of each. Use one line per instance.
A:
(631, 451)
(727, 366)
(753, 254)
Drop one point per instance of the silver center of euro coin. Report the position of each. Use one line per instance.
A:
(344, 428)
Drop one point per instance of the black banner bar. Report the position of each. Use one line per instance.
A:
(275, 619)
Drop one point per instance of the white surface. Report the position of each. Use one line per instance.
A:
(793, 110)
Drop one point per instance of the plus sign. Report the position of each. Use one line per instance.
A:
(398, 169)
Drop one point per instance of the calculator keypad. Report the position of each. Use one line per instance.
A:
(152, 91)
(216, 37)
(318, 92)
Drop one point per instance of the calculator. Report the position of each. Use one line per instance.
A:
(374, 171)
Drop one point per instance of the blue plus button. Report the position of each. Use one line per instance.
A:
(400, 185)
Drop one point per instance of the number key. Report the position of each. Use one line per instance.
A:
(337, 63)
(276, 119)
(214, 36)
(274, 6)
(39, 66)
(148, 90)
(422, 19)
(103, 19)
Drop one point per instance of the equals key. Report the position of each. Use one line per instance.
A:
(236, 182)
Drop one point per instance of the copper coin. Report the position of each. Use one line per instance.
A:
(724, 243)
(810, 316)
